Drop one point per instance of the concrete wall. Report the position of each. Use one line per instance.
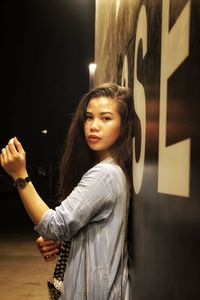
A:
(153, 47)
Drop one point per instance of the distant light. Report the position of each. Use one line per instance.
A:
(92, 67)
(44, 131)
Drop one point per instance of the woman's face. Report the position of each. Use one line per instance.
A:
(102, 125)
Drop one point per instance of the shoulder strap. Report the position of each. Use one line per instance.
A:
(123, 237)
(85, 270)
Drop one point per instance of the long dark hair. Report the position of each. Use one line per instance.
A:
(77, 157)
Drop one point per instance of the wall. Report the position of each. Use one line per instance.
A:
(153, 47)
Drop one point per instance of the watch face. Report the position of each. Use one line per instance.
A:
(20, 183)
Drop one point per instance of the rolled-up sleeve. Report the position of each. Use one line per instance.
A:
(91, 201)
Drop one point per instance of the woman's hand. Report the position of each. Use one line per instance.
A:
(13, 159)
(48, 248)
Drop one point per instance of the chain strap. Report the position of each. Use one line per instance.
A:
(85, 273)
(123, 236)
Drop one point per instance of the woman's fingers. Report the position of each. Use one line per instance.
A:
(43, 242)
(50, 257)
(48, 248)
(53, 249)
(3, 155)
(11, 147)
(18, 146)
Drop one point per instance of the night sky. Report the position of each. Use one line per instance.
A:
(46, 47)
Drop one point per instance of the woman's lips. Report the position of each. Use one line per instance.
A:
(93, 139)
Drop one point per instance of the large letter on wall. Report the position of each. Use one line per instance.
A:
(174, 160)
(139, 101)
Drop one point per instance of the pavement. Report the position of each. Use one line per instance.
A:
(23, 271)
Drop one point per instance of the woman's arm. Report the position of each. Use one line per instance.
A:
(92, 200)
(13, 161)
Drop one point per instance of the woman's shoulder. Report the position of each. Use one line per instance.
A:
(105, 178)
(106, 168)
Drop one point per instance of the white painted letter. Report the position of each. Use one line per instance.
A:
(174, 160)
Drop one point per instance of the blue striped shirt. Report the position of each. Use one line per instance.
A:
(91, 216)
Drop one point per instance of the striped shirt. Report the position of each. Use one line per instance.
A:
(91, 217)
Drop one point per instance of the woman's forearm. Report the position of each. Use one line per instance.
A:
(33, 204)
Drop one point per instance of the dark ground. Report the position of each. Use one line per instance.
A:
(23, 272)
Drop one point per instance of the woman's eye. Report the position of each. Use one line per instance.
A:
(88, 117)
(106, 118)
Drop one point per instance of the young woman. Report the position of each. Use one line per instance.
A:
(95, 187)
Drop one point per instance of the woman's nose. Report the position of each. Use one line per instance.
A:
(95, 126)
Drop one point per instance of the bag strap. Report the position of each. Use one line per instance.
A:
(62, 261)
(85, 272)
(123, 237)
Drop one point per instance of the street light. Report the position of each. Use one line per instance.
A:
(92, 69)
(44, 131)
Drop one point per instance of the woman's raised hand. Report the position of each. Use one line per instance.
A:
(13, 159)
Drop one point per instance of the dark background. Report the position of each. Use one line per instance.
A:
(46, 47)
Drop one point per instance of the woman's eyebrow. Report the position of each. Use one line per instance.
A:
(101, 113)
(106, 112)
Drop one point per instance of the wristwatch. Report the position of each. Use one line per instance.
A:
(20, 183)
